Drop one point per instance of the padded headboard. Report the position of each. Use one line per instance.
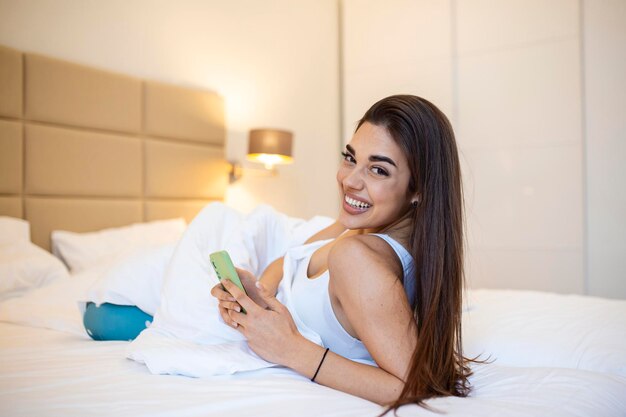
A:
(83, 149)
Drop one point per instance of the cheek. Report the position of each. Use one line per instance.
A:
(392, 197)
(383, 195)
(340, 176)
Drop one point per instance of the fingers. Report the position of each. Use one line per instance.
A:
(243, 274)
(226, 317)
(230, 305)
(237, 320)
(231, 316)
(219, 293)
(269, 298)
(247, 278)
(240, 296)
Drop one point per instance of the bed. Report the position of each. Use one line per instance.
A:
(64, 126)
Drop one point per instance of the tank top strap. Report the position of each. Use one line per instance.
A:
(408, 265)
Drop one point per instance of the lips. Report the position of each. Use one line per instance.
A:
(355, 206)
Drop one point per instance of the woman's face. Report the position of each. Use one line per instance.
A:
(373, 180)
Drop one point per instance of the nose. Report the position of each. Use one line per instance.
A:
(354, 179)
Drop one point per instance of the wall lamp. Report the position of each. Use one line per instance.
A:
(269, 147)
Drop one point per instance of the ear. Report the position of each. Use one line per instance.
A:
(416, 200)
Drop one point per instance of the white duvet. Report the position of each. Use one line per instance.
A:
(188, 336)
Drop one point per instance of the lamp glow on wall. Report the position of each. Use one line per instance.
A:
(269, 147)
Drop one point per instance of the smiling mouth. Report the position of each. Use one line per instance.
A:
(359, 205)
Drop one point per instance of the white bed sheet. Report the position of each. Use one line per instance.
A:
(49, 373)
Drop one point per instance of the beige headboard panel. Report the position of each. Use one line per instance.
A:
(82, 149)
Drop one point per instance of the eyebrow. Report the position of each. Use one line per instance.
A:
(377, 158)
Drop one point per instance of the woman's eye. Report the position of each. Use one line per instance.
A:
(348, 158)
(380, 171)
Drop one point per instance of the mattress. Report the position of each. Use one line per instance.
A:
(50, 367)
(51, 373)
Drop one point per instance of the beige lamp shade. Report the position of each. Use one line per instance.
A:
(270, 147)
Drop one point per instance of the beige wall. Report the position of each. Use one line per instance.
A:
(604, 49)
(513, 78)
(535, 90)
(270, 61)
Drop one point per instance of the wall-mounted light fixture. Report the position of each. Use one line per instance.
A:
(267, 146)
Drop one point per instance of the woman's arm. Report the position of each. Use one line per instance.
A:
(372, 299)
(372, 304)
(365, 381)
(272, 275)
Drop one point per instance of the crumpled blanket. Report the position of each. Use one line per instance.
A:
(188, 336)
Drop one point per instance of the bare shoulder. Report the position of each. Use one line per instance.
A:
(364, 253)
(371, 304)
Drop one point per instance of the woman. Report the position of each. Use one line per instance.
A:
(385, 281)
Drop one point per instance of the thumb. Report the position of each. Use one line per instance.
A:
(269, 298)
(244, 274)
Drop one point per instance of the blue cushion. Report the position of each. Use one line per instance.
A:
(114, 322)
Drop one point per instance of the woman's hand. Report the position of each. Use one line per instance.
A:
(249, 283)
(227, 302)
(271, 331)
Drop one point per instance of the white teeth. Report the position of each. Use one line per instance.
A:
(356, 203)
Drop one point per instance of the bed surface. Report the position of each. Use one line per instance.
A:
(551, 355)
(50, 367)
(50, 373)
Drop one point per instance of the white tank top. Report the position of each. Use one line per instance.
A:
(313, 306)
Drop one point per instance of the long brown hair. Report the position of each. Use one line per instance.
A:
(438, 367)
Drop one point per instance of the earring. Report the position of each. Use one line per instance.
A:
(414, 204)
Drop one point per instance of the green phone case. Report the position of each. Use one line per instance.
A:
(224, 268)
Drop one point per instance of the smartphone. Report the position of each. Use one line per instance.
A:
(224, 268)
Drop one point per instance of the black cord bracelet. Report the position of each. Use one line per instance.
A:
(320, 365)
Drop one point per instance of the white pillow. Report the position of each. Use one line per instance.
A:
(24, 265)
(82, 250)
(541, 329)
(135, 281)
(13, 230)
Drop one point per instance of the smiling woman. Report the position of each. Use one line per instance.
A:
(374, 185)
(382, 286)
